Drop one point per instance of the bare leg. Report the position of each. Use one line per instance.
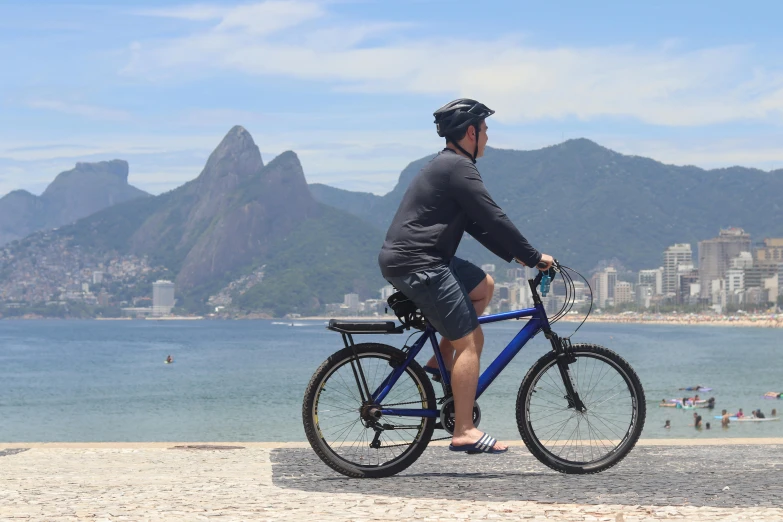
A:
(465, 374)
(480, 297)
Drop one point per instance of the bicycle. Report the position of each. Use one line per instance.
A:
(370, 409)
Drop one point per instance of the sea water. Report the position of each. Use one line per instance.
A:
(245, 380)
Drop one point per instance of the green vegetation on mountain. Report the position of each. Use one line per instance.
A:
(319, 262)
(578, 201)
(583, 203)
(239, 214)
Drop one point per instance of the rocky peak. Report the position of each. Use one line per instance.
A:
(114, 172)
(237, 156)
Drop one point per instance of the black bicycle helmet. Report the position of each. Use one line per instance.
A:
(455, 117)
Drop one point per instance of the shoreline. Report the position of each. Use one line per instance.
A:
(767, 321)
(715, 441)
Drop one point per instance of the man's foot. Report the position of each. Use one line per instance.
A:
(472, 436)
(486, 444)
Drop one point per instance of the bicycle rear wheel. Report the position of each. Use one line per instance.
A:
(349, 442)
(576, 442)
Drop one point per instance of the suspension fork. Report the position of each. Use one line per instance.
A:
(565, 357)
(561, 347)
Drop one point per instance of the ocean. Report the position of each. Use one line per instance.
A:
(95, 381)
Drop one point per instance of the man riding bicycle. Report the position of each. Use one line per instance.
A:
(446, 199)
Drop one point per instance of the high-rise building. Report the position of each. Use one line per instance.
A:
(623, 292)
(687, 284)
(603, 286)
(97, 278)
(715, 257)
(735, 285)
(644, 295)
(771, 252)
(352, 302)
(387, 291)
(652, 278)
(675, 255)
(162, 297)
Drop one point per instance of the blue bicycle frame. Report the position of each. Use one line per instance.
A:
(538, 321)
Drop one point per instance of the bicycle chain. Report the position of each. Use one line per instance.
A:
(403, 404)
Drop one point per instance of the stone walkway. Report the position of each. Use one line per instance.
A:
(258, 482)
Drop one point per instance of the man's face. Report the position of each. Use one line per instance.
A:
(482, 139)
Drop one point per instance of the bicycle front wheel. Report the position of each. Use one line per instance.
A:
(576, 442)
(350, 442)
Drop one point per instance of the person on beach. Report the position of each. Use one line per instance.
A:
(697, 422)
(707, 426)
(759, 415)
(739, 414)
(668, 424)
(725, 420)
(711, 402)
(773, 413)
(169, 359)
(443, 201)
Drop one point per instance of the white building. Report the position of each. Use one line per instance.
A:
(675, 255)
(604, 283)
(644, 295)
(351, 301)
(162, 297)
(387, 291)
(488, 268)
(652, 278)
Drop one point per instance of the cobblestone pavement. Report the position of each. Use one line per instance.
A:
(255, 483)
(676, 476)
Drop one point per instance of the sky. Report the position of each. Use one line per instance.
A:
(351, 85)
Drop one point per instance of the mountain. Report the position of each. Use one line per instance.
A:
(73, 194)
(237, 215)
(583, 203)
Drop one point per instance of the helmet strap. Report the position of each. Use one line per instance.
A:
(476, 126)
(466, 153)
(472, 157)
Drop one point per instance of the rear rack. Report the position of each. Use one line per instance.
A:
(348, 328)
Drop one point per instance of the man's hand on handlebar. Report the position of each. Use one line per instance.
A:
(545, 263)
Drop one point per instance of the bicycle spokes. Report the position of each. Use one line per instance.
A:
(345, 419)
(577, 435)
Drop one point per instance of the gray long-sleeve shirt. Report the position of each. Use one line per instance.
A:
(445, 200)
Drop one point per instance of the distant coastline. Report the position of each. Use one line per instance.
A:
(751, 321)
(747, 321)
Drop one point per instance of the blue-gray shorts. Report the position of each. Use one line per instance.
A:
(442, 295)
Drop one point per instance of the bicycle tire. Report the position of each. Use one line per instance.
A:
(313, 430)
(546, 454)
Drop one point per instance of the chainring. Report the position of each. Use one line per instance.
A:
(447, 415)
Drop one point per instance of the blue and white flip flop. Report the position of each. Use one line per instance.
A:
(484, 445)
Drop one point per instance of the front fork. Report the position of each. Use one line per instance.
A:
(565, 357)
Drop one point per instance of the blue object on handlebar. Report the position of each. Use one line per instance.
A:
(545, 280)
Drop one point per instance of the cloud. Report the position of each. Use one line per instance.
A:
(92, 112)
(664, 85)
